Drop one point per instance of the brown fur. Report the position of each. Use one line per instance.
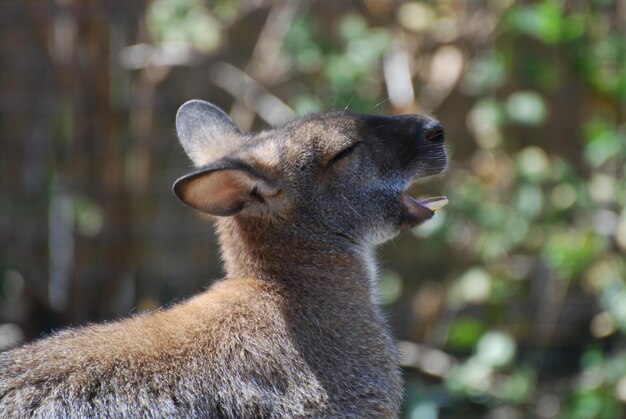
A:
(294, 330)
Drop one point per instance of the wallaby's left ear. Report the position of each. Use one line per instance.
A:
(206, 132)
(225, 189)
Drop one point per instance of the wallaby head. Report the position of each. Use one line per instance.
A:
(338, 178)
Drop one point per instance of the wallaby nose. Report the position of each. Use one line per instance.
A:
(433, 131)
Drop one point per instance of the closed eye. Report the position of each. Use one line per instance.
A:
(346, 152)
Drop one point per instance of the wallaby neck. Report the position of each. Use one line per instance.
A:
(293, 255)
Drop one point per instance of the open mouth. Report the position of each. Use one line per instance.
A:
(433, 203)
(423, 209)
(420, 210)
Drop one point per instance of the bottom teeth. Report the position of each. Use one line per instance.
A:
(435, 203)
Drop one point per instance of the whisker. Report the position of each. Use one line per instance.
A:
(382, 101)
(349, 102)
(348, 204)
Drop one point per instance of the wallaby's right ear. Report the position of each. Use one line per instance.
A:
(206, 132)
(225, 188)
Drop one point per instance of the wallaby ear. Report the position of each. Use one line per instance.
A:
(224, 190)
(206, 132)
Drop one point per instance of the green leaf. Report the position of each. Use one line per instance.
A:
(543, 21)
(569, 252)
(464, 334)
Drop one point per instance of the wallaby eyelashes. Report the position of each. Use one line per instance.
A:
(294, 329)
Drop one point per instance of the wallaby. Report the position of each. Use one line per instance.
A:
(294, 330)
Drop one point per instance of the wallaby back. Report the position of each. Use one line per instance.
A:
(294, 329)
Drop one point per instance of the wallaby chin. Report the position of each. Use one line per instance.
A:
(294, 329)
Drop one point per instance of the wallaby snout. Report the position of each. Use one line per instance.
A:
(294, 330)
(433, 131)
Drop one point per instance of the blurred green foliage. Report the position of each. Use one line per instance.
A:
(340, 67)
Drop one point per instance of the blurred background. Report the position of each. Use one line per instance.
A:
(510, 303)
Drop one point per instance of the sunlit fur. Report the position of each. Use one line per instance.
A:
(294, 329)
